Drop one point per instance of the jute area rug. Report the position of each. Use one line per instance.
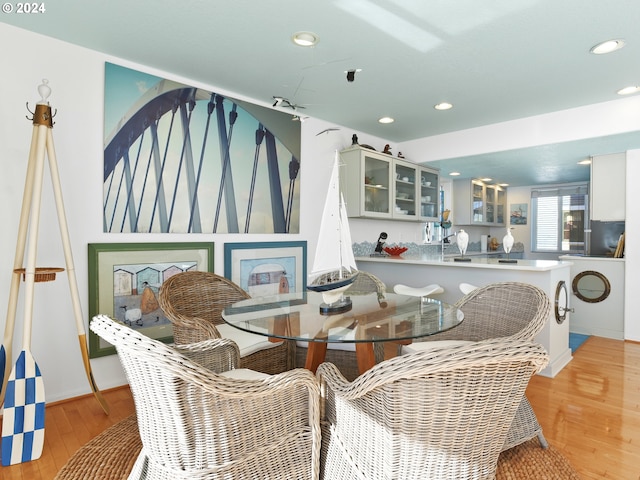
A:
(111, 455)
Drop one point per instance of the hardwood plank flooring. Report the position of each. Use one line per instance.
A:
(69, 425)
(590, 412)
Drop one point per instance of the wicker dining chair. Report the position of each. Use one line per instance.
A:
(500, 310)
(193, 302)
(343, 355)
(198, 424)
(438, 414)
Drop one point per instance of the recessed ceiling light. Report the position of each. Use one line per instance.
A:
(486, 179)
(629, 90)
(305, 39)
(503, 184)
(443, 106)
(386, 120)
(586, 161)
(454, 174)
(607, 47)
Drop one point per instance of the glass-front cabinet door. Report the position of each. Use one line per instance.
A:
(477, 202)
(377, 189)
(491, 205)
(365, 182)
(429, 196)
(405, 196)
(500, 206)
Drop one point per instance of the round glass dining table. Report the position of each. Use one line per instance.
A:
(372, 318)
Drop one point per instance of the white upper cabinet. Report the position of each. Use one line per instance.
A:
(476, 203)
(608, 192)
(377, 185)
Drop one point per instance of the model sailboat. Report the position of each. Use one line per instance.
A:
(334, 266)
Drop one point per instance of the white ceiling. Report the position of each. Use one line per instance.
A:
(495, 60)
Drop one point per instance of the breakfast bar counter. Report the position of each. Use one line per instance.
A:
(475, 261)
(549, 275)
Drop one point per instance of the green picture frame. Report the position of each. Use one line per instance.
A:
(124, 279)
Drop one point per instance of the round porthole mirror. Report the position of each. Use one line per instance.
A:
(561, 301)
(591, 287)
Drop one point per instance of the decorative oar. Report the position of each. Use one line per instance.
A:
(23, 416)
(24, 399)
(71, 271)
(5, 350)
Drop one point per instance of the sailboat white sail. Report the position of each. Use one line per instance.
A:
(334, 266)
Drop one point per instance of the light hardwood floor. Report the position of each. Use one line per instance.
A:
(590, 411)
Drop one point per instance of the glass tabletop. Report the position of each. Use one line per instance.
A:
(371, 319)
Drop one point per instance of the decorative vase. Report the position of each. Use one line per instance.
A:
(462, 241)
(507, 241)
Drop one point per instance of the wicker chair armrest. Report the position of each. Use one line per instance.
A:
(187, 330)
(433, 361)
(217, 355)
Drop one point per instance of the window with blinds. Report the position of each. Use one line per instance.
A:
(559, 215)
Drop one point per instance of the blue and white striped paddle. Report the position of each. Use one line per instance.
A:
(23, 416)
(7, 343)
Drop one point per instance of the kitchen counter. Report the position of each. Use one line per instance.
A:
(476, 262)
(418, 270)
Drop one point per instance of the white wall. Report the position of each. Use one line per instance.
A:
(632, 250)
(76, 76)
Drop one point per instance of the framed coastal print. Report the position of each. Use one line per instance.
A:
(124, 281)
(518, 214)
(267, 268)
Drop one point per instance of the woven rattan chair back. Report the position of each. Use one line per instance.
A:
(438, 414)
(499, 310)
(193, 302)
(197, 424)
(505, 310)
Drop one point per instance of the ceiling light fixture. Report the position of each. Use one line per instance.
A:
(503, 184)
(443, 106)
(305, 39)
(386, 120)
(486, 179)
(586, 161)
(629, 90)
(607, 47)
(454, 174)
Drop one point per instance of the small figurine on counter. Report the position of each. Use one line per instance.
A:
(387, 149)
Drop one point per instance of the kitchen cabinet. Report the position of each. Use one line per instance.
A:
(377, 185)
(477, 203)
(608, 192)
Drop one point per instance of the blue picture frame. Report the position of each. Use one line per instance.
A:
(267, 268)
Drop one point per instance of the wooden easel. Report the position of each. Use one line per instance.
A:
(41, 142)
